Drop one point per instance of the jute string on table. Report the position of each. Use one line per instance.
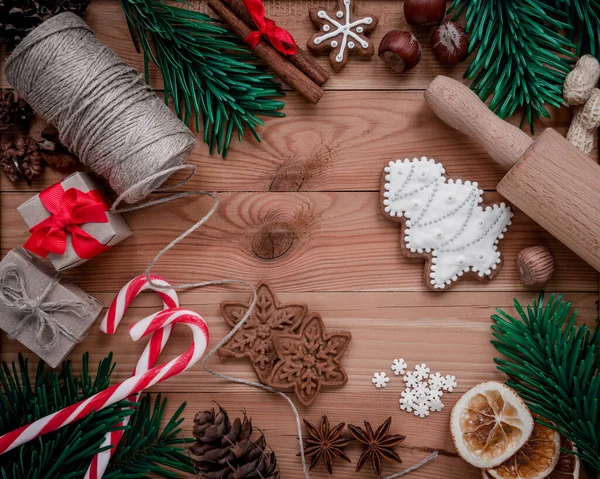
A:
(115, 124)
(102, 108)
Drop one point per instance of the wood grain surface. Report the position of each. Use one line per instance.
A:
(300, 210)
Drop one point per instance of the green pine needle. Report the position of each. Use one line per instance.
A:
(208, 72)
(584, 15)
(554, 365)
(522, 57)
(146, 448)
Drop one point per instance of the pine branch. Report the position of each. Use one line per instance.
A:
(207, 71)
(146, 449)
(554, 365)
(584, 16)
(522, 58)
(67, 452)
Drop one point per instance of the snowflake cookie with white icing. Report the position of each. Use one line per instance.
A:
(444, 221)
(341, 33)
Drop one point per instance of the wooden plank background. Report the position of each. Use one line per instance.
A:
(316, 176)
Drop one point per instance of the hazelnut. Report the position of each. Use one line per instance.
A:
(424, 12)
(535, 265)
(400, 50)
(450, 43)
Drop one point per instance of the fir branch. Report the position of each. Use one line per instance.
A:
(65, 453)
(207, 71)
(146, 449)
(554, 365)
(584, 16)
(522, 57)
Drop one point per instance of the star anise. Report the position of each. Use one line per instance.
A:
(325, 443)
(379, 444)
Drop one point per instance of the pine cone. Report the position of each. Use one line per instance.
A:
(23, 114)
(21, 160)
(7, 108)
(19, 17)
(54, 152)
(226, 451)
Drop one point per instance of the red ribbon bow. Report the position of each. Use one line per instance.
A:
(281, 39)
(69, 209)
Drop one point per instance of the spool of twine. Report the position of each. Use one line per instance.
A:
(102, 108)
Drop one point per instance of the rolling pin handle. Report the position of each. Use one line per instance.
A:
(459, 107)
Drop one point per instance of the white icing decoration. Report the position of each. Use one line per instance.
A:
(344, 29)
(444, 218)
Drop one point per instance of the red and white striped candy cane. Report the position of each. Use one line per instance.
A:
(127, 388)
(147, 360)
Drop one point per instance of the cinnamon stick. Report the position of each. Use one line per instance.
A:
(302, 60)
(284, 69)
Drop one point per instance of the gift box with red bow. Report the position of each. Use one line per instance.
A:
(70, 222)
(44, 312)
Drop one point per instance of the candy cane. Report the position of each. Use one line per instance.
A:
(127, 388)
(148, 359)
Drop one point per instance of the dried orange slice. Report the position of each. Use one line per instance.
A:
(567, 466)
(535, 460)
(489, 424)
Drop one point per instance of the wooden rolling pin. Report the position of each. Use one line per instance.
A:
(549, 179)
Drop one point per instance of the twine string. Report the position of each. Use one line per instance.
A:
(102, 108)
(13, 293)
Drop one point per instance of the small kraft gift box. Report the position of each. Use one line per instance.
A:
(44, 312)
(70, 222)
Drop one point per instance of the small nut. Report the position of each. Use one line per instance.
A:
(400, 50)
(586, 121)
(424, 12)
(449, 43)
(535, 265)
(580, 82)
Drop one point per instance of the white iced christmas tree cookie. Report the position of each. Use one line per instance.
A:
(444, 221)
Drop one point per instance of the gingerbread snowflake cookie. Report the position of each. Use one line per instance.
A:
(341, 33)
(443, 220)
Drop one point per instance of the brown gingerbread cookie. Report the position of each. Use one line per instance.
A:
(443, 221)
(310, 359)
(341, 33)
(255, 338)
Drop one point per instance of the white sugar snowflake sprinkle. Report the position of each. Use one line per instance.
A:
(411, 380)
(422, 371)
(409, 395)
(449, 383)
(436, 406)
(399, 366)
(434, 395)
(406, 404)
(436, 381)
(422, 410)
(380, 380)
(421, 390)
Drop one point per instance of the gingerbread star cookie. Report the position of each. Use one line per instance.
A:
(255, 338)
(341, 33)
(310, 359)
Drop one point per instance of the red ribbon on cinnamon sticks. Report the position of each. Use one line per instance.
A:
(281, 39)
(69, 209)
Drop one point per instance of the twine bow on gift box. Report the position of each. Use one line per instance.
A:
(68, 209)
(281, 39)
(14, 294)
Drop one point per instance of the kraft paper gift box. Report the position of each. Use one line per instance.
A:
(70, 222)
(47, 314)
